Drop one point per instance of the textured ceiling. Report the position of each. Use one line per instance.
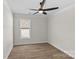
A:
(23, 6)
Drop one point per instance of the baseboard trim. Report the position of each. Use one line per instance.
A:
(62, 50)
(30, 43)
(9, 52)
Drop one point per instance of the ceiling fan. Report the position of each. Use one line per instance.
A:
(41, 10)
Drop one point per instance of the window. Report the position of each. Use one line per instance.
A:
(25, 27)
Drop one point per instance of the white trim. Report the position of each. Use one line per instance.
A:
(9, 51)
(30, 43)
(71, 55)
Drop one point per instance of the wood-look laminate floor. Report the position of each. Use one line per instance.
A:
(37, 51)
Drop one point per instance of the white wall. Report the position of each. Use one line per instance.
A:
(61, 30)
(8, 30)
(38, 32)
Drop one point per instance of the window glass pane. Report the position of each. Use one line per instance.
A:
(25, 28)
(25, 33)
(25, 23)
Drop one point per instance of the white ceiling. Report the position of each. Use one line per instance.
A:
(23, 6)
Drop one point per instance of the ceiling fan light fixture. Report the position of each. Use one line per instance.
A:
(41, 12)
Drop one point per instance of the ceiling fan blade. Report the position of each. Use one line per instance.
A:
(50, 9)
(44, 13)
(34, 9)
(42, 3)
(35, 13)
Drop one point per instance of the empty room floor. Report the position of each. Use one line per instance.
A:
(37, 51)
